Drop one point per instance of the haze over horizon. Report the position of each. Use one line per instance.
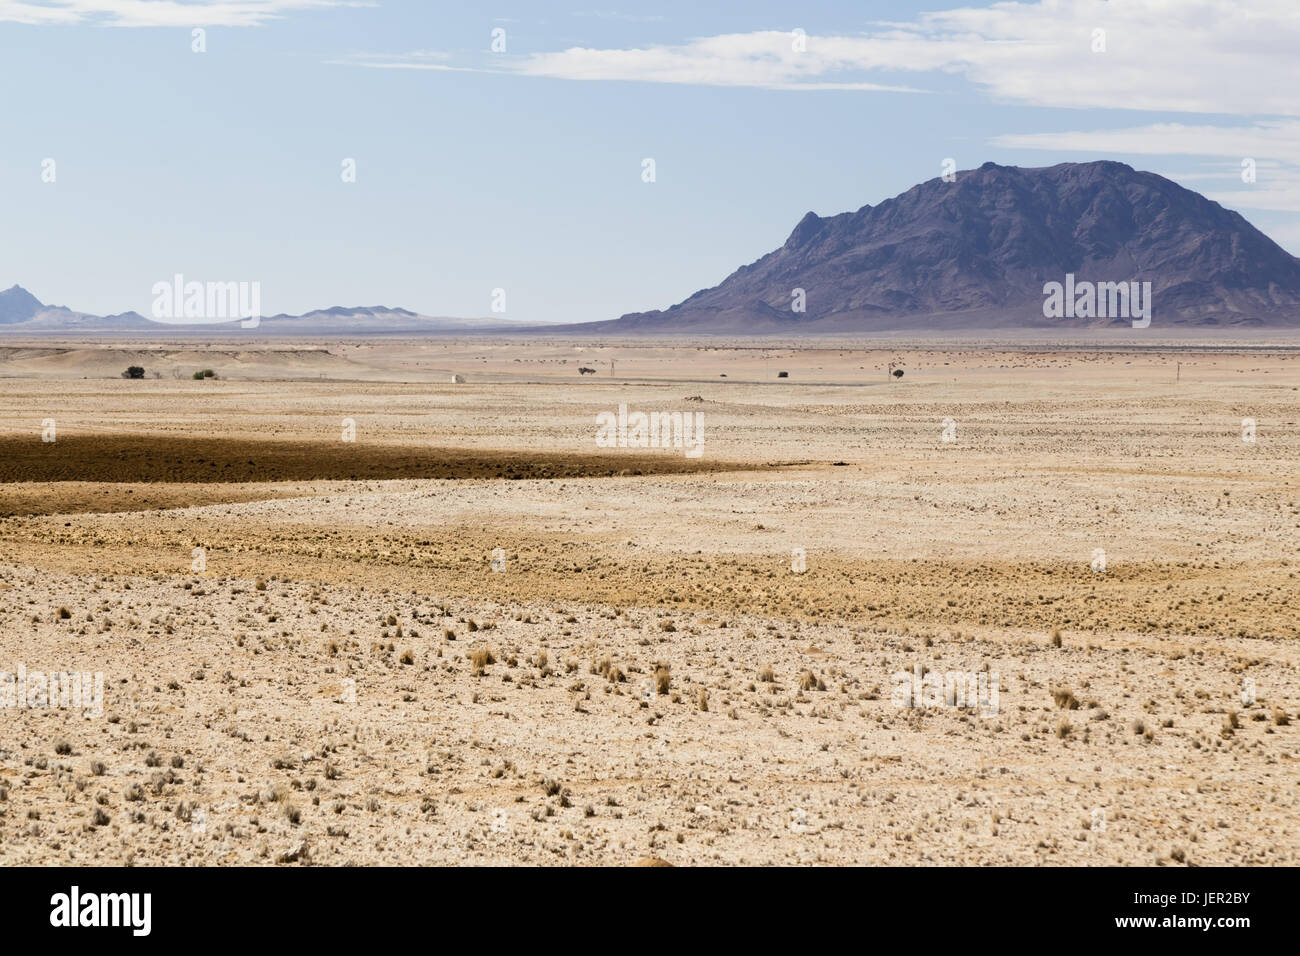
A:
(522, 169)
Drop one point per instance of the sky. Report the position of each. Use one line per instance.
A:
(128, 156)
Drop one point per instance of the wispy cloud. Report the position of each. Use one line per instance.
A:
(413, 60)
(768, 59)
(159, 13)
(1041, 53)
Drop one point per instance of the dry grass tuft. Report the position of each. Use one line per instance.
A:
(1065, 699)
(480, 659)
(663, 678)
(810, 681)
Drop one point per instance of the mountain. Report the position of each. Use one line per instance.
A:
(17, 305)
(976, 253)
(21, 313)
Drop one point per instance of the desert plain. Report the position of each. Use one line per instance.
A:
(350, 612)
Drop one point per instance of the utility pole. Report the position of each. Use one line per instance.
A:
(1179, 376)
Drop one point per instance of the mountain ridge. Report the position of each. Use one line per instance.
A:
(21, 312)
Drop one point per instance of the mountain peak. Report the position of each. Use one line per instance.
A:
(808, 227)
(18, 305)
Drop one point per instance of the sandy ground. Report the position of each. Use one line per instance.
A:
(473, 636)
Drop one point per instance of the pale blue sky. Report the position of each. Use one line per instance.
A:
(522, 169)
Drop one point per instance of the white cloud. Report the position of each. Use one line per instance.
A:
(1196, 56)
(159, 13)
(766, 59)
(1206, 56)
(414, 60)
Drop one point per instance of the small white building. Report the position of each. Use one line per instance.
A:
(458, 379)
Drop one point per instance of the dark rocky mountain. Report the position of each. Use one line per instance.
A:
(976, 253)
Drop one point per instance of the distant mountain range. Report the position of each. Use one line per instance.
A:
(977, 251)
(22, 313)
